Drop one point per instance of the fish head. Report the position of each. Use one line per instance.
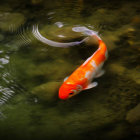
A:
(66, 91)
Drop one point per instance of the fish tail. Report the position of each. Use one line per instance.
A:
(43, 39)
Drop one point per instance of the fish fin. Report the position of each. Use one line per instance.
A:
(66, 78)
(100, 73)
(43, 39)
(91, 85)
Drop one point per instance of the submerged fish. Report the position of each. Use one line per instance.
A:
(82, 77)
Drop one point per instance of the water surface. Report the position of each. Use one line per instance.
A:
(31, 71)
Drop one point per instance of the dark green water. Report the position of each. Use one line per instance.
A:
(31, 72)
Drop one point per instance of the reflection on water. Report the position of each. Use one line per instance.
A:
(6, 94)
(31, 72)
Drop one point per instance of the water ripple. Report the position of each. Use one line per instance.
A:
(24, 36)
(9, 85)
(7, 93)
(4, 61)
(59, 24)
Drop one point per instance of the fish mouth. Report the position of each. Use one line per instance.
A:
(62, 97)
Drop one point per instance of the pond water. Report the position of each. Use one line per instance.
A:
(31, 72)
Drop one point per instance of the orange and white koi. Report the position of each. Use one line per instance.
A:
(82, 77)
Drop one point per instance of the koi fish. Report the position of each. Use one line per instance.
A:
(82, 77)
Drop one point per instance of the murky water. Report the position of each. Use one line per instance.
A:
(31, 71)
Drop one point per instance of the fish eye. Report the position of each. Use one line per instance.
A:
(71, 93)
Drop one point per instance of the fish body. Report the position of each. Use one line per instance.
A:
(82, 77)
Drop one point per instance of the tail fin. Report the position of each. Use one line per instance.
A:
(41, 38)
(86, 31)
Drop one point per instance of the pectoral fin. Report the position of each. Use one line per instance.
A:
(100, 73)
(66, 78)
(91, 85)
